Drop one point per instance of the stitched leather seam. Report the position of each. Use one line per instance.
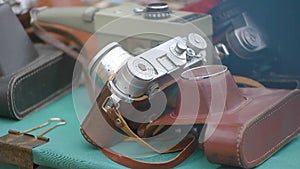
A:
(10, 111)
(260, 120)
(238, 140)
(265, 118)
(240, 135)
(27, 76)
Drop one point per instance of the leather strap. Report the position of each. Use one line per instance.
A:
(42, 33)
(127, 130)
(247, 81)
(39, 31)
(115, 115)
(187, 145)
(132, 163)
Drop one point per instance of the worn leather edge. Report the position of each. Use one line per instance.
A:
(32, 69)
(223, 146)
(245, 130)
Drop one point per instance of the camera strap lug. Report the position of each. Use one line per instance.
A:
(89, 14)
(34, 12)
(221, 50)
(111, 109)
(110, 102)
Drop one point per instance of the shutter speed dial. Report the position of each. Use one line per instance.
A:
(157, 10)
(141, 68)
(196, 42)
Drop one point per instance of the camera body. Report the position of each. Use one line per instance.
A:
(146, 27)
(143, 74)
(150, 29)
(257, 48)
(127, 80)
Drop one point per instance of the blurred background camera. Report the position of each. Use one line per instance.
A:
(147, 26)
(262, 36)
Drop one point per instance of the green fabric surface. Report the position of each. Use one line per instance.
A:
(67, 148)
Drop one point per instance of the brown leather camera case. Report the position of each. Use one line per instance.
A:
(243, 126)
(250, 135)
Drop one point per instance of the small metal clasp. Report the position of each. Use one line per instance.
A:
(59, 123)
(109, 103)
(34, 12)
(221, 49)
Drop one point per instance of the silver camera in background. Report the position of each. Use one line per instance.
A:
(147, 26)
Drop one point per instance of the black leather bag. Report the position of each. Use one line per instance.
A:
(31, 75)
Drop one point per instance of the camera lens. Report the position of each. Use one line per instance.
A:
(133, 79)
(250, 38)
(107, 62)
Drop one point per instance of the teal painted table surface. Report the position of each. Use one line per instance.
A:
(67, 148)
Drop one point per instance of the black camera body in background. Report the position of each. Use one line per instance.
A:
(277, 23)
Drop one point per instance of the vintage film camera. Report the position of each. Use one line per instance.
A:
(208, 96)
(143, 73)
(148, 24)
(135, 83)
